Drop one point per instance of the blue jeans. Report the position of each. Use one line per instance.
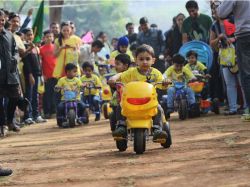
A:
(50, 98)
(231, 83)
(61, 108)
(95, 101)
(191, 96)
(31, 93)
(243, 59)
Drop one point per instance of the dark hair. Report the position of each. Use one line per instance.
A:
(69, 67)
(191, 4)
(123, 58)
(174, 19)
(7, 24)
(47, 32)
(143, 20)
(54, 23)
(87, 65)
(6, 12)
(179, 15)
(178, 58)
(100, 34)
(145, 48)
(192, 52)
(26, 29)
(72, 22)
(153, 25)
(19, 34)
(13, 15)
(60, 37)
(129, 24)
(133, 46)
(97, 43)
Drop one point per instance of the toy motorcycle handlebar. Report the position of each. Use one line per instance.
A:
(65, 90)
(94, 86)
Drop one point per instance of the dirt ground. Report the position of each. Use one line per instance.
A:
(206, 151)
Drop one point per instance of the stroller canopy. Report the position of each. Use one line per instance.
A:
(205, 54)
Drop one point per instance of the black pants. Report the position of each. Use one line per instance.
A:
(10, 110)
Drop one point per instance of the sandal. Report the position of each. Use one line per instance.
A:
(3, 131)
(12, 126)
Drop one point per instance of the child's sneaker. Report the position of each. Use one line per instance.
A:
(29, 121)
(158, 134)
(98, 117)
(246, 118)
(39, 119)
(120, 132)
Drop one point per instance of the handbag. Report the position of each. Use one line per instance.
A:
(227, 56)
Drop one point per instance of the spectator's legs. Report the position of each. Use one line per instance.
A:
(231, 89)
(243, 59)
(35, 99)
(28, 94)
(243, 94)
(170, 102)
(11, 108)
(2, 113)
(48, 94)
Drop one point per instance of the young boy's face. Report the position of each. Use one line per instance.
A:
(144, 61)
(88, 71)
(114, 43)
(192, 59)
(72, 73)
(103, 71)
(178, 67)
(48, 38)
(123, 48)
(28, 37)
(120, 67)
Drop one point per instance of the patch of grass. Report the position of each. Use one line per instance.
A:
(230, 141)
(216, 128)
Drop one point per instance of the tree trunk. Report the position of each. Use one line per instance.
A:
(21, 7)
(55, 14)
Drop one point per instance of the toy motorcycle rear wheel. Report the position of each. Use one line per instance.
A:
(72, 115)
(112, 120)
(182, 109)
(168, 142)
(139, 141)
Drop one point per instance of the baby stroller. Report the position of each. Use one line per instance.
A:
(205, 56)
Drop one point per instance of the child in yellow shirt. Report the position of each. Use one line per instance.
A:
(70, 83)
(94, 92)
(144, 72)
(177, 72)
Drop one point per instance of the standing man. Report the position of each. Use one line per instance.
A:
(73, 30)
(55, 29)
(197, 25)
(154, 38)
(130, 28)
(241, 11)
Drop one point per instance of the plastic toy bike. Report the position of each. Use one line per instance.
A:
(181, 102)
(206, 105)
(139, 104)
(71, 110)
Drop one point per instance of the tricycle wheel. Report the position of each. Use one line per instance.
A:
(139, 141)
(86, 115)
(72, 118)
(168, 142)
(122, 145)
(182, 109)
(59, 121)
(216, 106)
(106, 110)
(112, 120)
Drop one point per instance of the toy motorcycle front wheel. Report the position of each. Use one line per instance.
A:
(112, 120)
(139, 141)
(168, 142)
(72, 115)
(182, 109)
(122, 145)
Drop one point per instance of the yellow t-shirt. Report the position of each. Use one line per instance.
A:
(103, 80)
(79, 40)
(197, 66)
(133, 74)
(18, 40)
(116, 53)
(97, 82)
(66, 56)
(70, 85)
(171, 74)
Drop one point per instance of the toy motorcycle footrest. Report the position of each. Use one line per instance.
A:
(82, 118)
(96, 112)
(87, 105)
(118, 138)
(160, 140)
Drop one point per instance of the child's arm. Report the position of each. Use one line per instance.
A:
(59, 85)
(112, 80)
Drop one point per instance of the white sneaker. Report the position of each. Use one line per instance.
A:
(29, 121)
(39, 119)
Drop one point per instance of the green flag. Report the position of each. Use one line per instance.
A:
(38, 24)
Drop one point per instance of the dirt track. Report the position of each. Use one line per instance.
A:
(206, 151)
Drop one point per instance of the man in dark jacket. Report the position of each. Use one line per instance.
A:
(9, 82)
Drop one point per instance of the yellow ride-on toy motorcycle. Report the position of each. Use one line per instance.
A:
(139, 104)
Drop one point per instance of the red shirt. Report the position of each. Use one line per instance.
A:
(48, 61)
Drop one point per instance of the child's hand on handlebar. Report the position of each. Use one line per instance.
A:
(111, 81)
(98, 87)
(166, 82)
(82, 87)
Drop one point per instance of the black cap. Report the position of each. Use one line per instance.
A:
(13, 15)
(143, 20)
